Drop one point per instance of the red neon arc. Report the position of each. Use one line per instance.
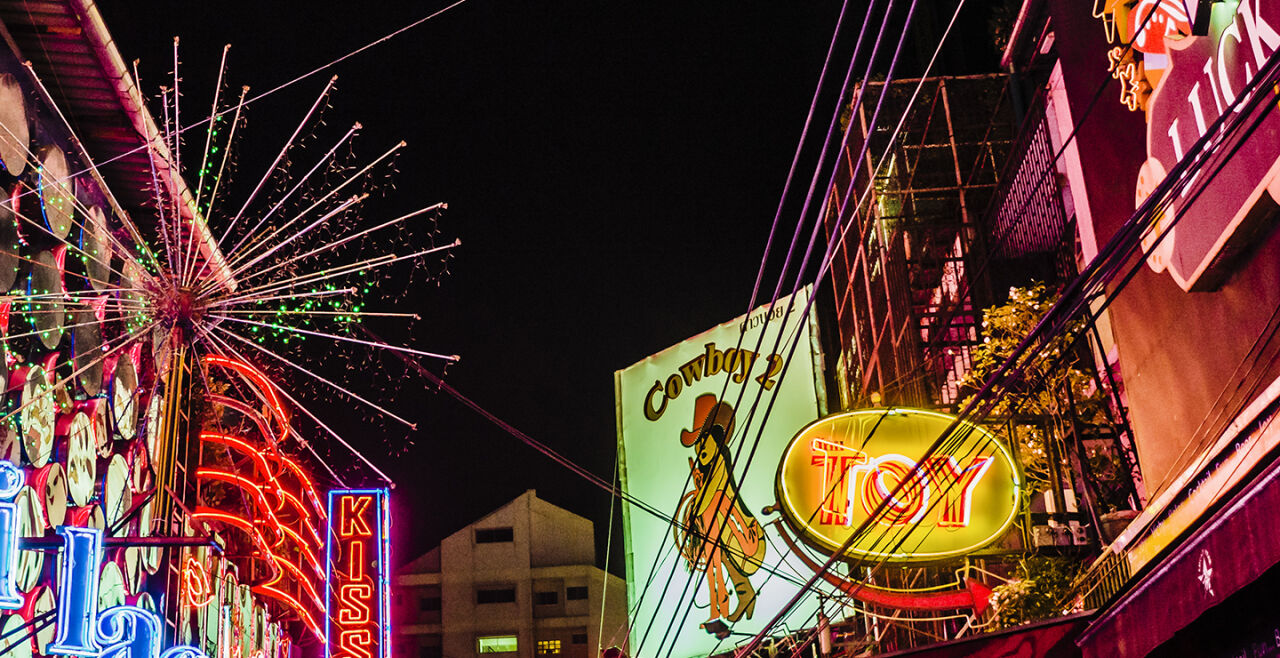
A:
(279, 566)
(261, 465)
(312, 559)
(973, 594)
(245, 484)
(307, 618)
(243, 447)
(260, 492)
(307, 484)
(254, 376)
(250, 412)
(278, 486)
(280, 563)
(235, 520)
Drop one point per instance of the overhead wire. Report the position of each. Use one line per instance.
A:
(1102, 270)
(537, 445)
(890, 143)
(818, 90)
(709, 544)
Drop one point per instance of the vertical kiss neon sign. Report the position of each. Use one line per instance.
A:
(357, 604)
(123, 631)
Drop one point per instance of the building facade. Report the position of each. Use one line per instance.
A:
(520, 581)
(1174, 167)
(192, 518)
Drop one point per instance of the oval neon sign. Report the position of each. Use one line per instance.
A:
(839, 469)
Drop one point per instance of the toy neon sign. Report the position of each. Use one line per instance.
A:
(357, 603)
(123, 631)
(838, 470)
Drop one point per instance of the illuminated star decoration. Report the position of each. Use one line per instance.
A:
(294, 260)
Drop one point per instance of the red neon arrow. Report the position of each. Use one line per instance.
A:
(974, 594)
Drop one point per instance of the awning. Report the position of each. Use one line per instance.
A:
(1232, 549)
(1047, 639)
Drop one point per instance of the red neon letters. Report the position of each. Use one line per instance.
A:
(849, 477)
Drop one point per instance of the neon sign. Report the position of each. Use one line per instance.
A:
(1196, 80)
(838, 470)
(122, 631)
(196, 590)
(357, 603)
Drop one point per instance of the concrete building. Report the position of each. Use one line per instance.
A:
(520, 581)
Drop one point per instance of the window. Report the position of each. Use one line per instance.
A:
(575, 593)
(496, 595)
(494, 535)
(429, 603)
(496, 644)
(546, 598)
(579, 638)
(548, 647)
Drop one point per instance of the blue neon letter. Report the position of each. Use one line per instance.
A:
(127, 631)
(10, 483)
(77, 591)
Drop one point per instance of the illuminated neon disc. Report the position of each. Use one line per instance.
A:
(82, 459)
(14, 642)
(111, 587)
(38, 417)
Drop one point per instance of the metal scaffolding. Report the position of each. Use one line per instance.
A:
(904, 298)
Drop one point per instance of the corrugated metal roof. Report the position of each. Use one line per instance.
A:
(73, 54)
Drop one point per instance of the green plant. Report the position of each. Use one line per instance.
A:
(1041, 390)
(1039, 593)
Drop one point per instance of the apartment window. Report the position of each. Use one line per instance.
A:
(575, 593)
(579, 638)
(429, 603)
(548, 647)
(496, 595)
(497, 644)
(546, 598)
(494, 535)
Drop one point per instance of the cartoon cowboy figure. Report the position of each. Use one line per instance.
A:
(720, 536)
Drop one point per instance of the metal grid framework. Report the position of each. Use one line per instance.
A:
(1027, 216)
(904, 303)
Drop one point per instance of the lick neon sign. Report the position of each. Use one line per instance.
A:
(120, 632)
(840, 469)
(357, 603)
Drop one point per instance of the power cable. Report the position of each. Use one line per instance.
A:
(1099, 273)
(534, 443)
(719, 456)
(891, 141)
(751, 414)
(608, 551)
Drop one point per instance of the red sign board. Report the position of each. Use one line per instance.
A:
(1206, 74)
(357, 619)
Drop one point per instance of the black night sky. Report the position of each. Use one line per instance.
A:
(612, 170)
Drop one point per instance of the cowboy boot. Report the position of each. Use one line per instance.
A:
(746, 595)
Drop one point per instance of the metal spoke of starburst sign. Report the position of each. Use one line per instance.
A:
(295, 260)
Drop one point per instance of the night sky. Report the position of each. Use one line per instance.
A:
(612, 170)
